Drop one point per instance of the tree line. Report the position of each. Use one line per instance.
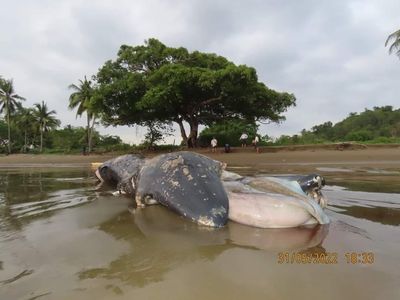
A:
(33, 121)
(35, 128)
(154, 85)
(377, 125)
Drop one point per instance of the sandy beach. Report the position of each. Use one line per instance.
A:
(372, 157)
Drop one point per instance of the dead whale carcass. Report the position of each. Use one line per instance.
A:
(187, 183)
(190, 184)
(121, 172)
(271, 202)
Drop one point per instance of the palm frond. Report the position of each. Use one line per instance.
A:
(81, 97)
(74, 87)
(18, 97)
(394, 38)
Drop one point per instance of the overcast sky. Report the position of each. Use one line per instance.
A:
(330, 54)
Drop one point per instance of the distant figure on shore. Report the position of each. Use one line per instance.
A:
(214, 144)
(227, 148)
(243, 139)
(255, 143)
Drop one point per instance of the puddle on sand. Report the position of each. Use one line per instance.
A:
(60, 238)
(326, 169)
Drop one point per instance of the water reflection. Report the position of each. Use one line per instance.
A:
(61, 249)
(379, 214)
(22, 186)
(379, 181)
(29, 193)
(278, 239)
(382, 208)
(161, 241)
(154, 252)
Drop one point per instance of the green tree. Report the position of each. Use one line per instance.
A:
(68, 138)
(394, 39)
(25, 121)
(45, 119)
(10, 101)
(324, 130)
(3, 136)
(377, 124)
(81, 99)
(159, 83)
(156, 131)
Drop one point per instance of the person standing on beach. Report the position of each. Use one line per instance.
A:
(214, 144)
(255, 143)
(243, 139)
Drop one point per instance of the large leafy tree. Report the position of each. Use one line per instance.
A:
(45, 119)
(81, 100)
(10, 101)
(159, 83)
(394, 39)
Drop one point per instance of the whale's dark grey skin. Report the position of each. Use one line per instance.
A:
(121, 172)
(187, 183)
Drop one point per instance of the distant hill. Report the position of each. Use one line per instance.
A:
(379, 125)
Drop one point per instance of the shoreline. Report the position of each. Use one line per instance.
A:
(388, 157)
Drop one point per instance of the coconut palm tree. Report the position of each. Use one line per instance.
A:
(9, 102)
(45, 119)
(395, 39)
(80, 99)
(25, 121)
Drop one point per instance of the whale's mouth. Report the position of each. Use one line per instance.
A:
(270, 202)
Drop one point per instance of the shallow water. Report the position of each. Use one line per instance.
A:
(63, 238)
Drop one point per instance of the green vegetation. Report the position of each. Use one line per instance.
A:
(81, 99)
(156, 131)
(35, 130)
(73, 140)
(154, 86)
(395, 39)
(10, 101)
(66, 140)
(45, 119)
(151, 85)
(228, 132)
(379, 125)
(156, 83)
(25, 121)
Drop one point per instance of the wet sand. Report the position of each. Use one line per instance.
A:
(374, 157)
(63, 238)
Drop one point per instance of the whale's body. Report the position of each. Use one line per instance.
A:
(198, 188)
(187, 183)
(269, 202)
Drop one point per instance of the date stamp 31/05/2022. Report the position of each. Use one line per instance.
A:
(326, 258)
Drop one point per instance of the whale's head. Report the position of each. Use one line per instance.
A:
(312, 185)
